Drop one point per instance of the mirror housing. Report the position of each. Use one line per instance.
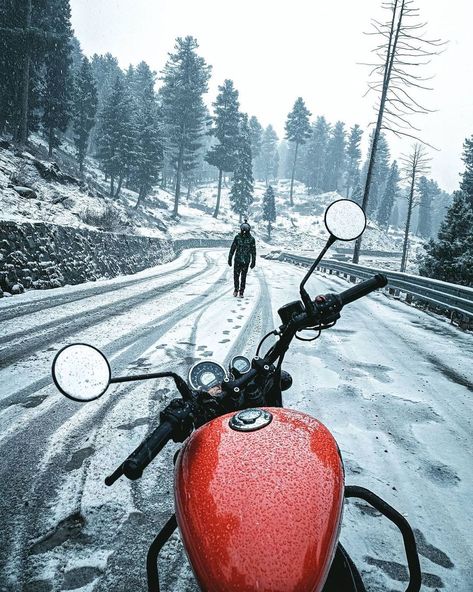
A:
(345, 220)
(81, 372)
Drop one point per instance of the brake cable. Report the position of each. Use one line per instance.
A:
(274, 332)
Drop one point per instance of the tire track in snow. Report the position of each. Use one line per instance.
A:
(22, 309)
(52, 331)
(26, 446)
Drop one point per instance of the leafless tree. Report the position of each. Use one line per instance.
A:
(403, 47)
(414, 164)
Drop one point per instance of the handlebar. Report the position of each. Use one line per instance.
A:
(140, 458)
(377, 281)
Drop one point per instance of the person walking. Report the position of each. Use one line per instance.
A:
(244, 249)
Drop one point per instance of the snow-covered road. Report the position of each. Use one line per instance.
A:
(393, 384)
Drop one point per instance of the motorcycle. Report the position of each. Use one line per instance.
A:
(258, 488)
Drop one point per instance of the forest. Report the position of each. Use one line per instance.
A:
(148, 129)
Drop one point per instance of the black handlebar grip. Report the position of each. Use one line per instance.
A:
(377, 281)
(139, 459)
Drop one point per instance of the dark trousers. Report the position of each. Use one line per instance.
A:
(239, 275)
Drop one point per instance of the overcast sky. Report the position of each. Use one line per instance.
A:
(275, 51)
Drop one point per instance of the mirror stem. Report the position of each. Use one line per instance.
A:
(305, 297)
(181, 385)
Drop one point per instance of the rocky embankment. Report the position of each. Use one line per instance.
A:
(41, 256)
(38, 255)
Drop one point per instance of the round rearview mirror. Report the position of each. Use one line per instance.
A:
(345, 220)
(81, 372)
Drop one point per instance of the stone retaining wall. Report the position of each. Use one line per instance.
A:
(38, 255)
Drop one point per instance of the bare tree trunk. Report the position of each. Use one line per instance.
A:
(112, 185)
(25, 83)
(269, 229)
(390, 55)
(408, 222)
(219, 191)
(293, 174)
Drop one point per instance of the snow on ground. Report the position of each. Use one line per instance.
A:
(299, 228)
(392, 383)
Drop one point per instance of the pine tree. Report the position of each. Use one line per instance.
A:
(226, 129)
(297, 131)
(11, 56)
(335, 157)
(185, 79)
(106, 70)
(466, 184)
(428, 190)
(241, 192)
(269, 157)
(148, 146)
(353, 159)
(116, 137)
(28, 30)
(256, 137)
(390, 196)
(316, 156)
(85, 108)
(269, 208)
(450, 256)
(57, 91)
(379, 175)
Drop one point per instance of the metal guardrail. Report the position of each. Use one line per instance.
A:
(443, 295)
(194, 243)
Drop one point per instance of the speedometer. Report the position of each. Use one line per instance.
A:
(240, 365)
(206, 375)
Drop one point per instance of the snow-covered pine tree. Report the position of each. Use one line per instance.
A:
(241, 192)
(24, 37)
(269, 208)
(428, 190)
(256, 137)
(297, 131)
(185, 78)
(450, 256)
(116, 136)
(106, 70)
(316, 155)
(84, 109)
(269, 157)
(380, 173)
(226, 128)
(353, 159)
(390, 195)
(148, 144)
(440, 205)
(13, 54)
(77, 56)
(58, 83)
(335, 166)
(283, 158)
(466, 184)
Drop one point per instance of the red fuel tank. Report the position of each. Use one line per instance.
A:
(260, 510)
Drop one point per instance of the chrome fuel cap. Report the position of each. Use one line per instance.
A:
(250, 420)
